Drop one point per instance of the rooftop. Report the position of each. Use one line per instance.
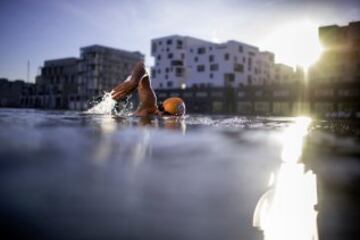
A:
(101, 47)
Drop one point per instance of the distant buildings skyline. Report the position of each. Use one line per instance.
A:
(197, 78)
(185, 62)
(229, 77)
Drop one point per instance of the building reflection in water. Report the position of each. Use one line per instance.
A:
(107, 126)
(286, 210)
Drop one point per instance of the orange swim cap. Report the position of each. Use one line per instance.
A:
(174, 106)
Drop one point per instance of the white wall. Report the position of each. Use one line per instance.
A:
(256, 65)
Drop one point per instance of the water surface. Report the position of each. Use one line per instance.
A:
(71, 175)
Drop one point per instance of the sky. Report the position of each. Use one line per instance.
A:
(37, 30)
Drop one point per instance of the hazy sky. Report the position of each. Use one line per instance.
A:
(37, 30)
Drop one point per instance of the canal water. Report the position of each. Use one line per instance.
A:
(75, 175)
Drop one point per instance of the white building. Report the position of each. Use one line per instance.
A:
(189, 62)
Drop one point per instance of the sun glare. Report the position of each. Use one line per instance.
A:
(286, 210)
(295, 43)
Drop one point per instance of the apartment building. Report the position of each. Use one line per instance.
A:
(70, 83)
(101, 68)
(336, 76)
(283, 74)
(182, 61)
(340, 60)
(57, 84)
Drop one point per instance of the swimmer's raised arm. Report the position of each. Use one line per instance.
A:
(127, 87)
(147, 99)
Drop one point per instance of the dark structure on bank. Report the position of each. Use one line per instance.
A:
(11, 92)
(335, 79)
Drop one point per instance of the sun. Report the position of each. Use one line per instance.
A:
(294, 43)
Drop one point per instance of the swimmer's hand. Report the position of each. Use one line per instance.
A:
(129, 85)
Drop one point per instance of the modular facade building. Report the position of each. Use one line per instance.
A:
(182, 62)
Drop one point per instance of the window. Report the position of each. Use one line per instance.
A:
(201, 50)
(281, 93)
(161, 85)
(238, 67)
(170, 56)
(159, 57)
(179, 72)
(249, 80)
(158, 71)
(153, 73)
(211, 75)
(200, 68)
(249, 63)
(176, 63)
(201, 94)
(241, 49)
(169, 42)
(258, 93)
(196, 59)
(214, 67)
(167, 70)
(226, 56)
(241, 93)
(324, 93)
(166, 76)
(179, 44)
(169, 83)
(229, 77)
(211, 58)
(251, 53)
(153, 47)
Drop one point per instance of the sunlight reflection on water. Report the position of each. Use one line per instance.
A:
(286, 211)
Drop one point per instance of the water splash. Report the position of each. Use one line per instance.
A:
(107, 105)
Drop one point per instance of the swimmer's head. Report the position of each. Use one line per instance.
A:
(173, 106)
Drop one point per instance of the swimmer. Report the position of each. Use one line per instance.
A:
(140, 80)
